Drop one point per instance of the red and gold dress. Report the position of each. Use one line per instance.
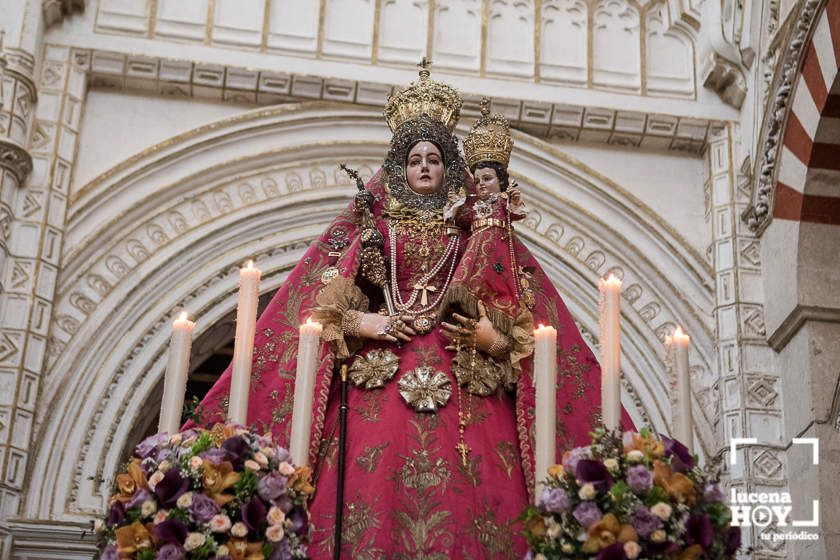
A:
(411, 491)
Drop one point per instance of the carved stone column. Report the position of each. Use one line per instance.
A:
(750, 386)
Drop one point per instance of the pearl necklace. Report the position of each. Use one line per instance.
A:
(423, 284)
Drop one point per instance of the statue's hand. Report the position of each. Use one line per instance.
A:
(469, 331)
(392, 328)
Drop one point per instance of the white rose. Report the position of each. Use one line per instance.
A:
(220, 523)
(275, 533)
(553, 530)
(260, 458)
(148, 508)
(194, 540)
(164, 465)
(567, 548)
(267, 451)
(252, 465)
(635, 456)
(658, 536)
(632, 549)
(587, 491)
(275, 516)
(223, 551)
(661, 510)
(98, 526)
(539, 556)
(286, 469)
(160, 516)
(175, 439)
(185, 500)
(239, 529)
(611, 464)
(154, 479)
(195, 462)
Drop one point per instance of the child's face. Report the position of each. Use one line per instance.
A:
(486, 182)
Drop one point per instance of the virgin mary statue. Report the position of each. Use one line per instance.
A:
(439, 448)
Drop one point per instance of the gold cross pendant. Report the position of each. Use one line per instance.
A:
(464, 450)
(424, 289)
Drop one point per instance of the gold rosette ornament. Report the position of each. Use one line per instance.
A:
(372, 370)
(425, 388)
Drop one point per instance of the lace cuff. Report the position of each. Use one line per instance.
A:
(334, 300)
(522, 336)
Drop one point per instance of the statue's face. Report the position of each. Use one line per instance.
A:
(486, 181)
(424, 168)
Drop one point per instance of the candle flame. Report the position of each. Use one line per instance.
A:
(309, 321)
(679, 332)
(250, 264)
(183, 316)
(541, 326)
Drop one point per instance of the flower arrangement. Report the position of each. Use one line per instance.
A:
(628, 497)
(218, 494)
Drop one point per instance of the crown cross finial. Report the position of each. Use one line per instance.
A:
(485, 106)
(424, 65)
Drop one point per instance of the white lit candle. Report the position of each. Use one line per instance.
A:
(680, 343)
(610, 351)
(177, 368)
(545, 381)
(309, 346)
(246, 323)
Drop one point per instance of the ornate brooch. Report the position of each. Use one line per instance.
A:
(482, 209)
(425, 389)
(372, 370)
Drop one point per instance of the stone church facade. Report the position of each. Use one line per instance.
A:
(147, 148)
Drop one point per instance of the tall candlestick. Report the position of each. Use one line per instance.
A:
(545, 380)
(177, 368)
(610, 351)
(309, 347)
(680, 343)
(246, 323)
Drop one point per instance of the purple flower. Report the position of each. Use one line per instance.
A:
(587, 514)
(594, 472)
(203, 508)
(170, 488)
(300, 521)
(713, 493)
(253, 514)
(639, 478)
(285, 503)
(570, 460)
(271, 486)
(110, 553)
(282, 551)
(614, 551)
(733, 540)
(681, 459)
(282, 454)
(237, 449)
(170, 551)
(116, 515)
(554, 500)
(645, 522)
(144, 448)
(699, 530)
(138, 498)
(171, 531)
(215, 455)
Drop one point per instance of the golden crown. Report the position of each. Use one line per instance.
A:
(436, 99)
(489, 139)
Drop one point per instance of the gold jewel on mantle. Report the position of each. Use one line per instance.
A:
(372, 370)
(425, 389)
(489, 139)
(425, 96)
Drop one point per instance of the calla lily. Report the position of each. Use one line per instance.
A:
(677, 485)
(129, 482)
(607, 532)
(240, 549)
(132, 538)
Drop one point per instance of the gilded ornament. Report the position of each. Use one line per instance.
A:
(489, 139)
(329, 275)
(425, 96)
(425, 389)
(374, 369)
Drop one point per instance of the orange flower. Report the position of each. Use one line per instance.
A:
(240, 549)
(677, 485)
(650, 446)
(132, 538)
(606, 532)
(300, 481)
(536, 527)
(556, 471)
(693, 552)
(128, 483)
(217, 479)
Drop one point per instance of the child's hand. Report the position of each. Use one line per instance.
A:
(515, 195)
